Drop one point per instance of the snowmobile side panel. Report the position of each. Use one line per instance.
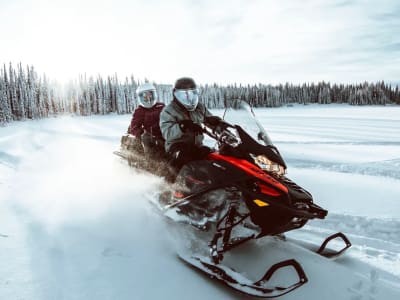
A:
(250, 169)
(197, 176)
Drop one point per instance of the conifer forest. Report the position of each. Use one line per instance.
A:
(26, 95)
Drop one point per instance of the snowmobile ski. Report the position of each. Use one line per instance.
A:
(330, 253)
(240, 283)
(324, 249)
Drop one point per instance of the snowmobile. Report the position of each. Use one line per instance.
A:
(240, 193)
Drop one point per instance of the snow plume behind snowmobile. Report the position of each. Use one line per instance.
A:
(240, 188)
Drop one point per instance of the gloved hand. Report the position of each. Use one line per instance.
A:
(212, 121)
(190, 126)
(216, 123)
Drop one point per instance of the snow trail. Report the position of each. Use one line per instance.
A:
(71, 213)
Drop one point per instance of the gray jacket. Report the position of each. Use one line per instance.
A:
(172, 133)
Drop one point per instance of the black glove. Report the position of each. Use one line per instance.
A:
(216, 123)
(190, 126)
(212, 121)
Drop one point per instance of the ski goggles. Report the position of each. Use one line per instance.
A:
(186, 93)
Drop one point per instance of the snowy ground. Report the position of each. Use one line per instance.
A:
(75, 222)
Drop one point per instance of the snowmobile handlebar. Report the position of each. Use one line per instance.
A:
(222, 134)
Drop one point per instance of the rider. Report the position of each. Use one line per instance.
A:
(180, 124)
(145, 120)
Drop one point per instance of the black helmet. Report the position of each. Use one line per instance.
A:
(185, 83)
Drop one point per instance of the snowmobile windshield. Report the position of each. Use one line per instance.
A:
(241, 113)
(255, 144)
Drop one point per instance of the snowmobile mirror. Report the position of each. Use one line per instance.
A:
(260, 136)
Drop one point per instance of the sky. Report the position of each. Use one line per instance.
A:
(225, 41)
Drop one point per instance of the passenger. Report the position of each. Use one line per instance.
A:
(145, 123)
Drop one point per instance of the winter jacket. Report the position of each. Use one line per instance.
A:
(146, 120)
(172, 133)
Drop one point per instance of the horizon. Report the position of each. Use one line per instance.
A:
(141, 80)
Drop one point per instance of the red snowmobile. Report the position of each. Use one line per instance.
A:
(243, 184)
(239, 193)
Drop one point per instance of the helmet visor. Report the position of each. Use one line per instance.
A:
(147, 98)
(188, 97)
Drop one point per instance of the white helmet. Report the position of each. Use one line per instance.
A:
(146, 94)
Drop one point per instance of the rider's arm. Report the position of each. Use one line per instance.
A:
(210, 120)
(169, 126)
(136, 127)
(207, 113)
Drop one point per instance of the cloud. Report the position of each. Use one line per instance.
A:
(343, 3)
(214, 41)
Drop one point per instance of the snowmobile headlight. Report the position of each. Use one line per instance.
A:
(268, 165)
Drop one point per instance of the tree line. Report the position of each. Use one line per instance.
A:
(26, 95)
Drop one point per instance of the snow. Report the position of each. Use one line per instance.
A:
(75, 222)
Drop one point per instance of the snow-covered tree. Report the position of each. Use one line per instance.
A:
(24, 94)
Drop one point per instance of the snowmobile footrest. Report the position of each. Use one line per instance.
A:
(329, 253)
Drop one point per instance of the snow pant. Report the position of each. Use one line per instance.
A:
(153, 146)
(182, 153)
